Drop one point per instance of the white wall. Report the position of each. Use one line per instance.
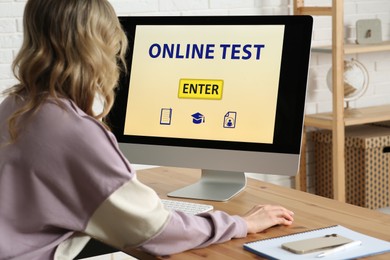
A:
(11, 12)
(319, 97)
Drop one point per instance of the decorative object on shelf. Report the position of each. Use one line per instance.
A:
(355, 80)
(368, 31)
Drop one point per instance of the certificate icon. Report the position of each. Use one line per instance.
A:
(166, 116)
(229, 120)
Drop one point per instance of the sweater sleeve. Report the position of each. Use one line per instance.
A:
(128, 217)
(184, 232)
(134, 216)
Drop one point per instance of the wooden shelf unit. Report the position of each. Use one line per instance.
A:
(339, 118)
(356, 48)
(356, 116)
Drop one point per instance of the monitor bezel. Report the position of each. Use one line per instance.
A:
(290, 102)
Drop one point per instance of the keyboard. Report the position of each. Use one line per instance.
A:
(187, 207)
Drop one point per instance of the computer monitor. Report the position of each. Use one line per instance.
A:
(225, 94)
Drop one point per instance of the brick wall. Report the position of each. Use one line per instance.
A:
(318, 98)
(11, 12)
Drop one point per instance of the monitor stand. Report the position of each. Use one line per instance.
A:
(213, 185)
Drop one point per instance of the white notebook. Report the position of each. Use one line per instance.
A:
(271, 248)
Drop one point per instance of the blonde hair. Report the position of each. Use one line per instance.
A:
(71, 49)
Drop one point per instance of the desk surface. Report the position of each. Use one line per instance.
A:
(311, 212)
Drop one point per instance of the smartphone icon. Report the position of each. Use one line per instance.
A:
(166, 116)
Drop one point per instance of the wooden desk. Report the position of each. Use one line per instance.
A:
(311, 212)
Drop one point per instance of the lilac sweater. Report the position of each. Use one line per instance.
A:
(65, 180)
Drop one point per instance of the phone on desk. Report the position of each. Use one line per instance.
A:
(316, 244)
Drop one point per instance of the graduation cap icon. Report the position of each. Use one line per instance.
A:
(198, 118)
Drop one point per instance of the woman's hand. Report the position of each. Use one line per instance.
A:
(261, 217)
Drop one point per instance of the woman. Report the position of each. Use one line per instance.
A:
(63, 179)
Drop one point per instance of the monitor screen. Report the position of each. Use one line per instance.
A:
(225, 94)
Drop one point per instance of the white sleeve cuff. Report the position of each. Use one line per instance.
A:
(130, 216)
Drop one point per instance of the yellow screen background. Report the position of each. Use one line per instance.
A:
(250, 87)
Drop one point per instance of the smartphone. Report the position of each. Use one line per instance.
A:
(315, 244)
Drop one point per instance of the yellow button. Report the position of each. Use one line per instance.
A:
(201, 88)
